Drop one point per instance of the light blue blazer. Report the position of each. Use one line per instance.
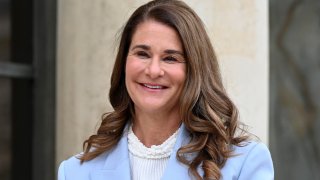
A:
(252, 162)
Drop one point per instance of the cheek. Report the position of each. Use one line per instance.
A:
(132, 71)
(132, 66)
(181, 76)
(129, 68)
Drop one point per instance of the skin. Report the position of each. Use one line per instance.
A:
(155, 77)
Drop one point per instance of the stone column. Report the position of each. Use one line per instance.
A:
(87, 32)
(239, 32)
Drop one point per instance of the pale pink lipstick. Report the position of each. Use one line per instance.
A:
(153, 86)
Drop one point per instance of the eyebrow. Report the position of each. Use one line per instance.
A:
(142, 46)
(171, 51)
(167, 51)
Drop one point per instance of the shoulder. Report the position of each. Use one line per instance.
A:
(72, 167)
(251, 160)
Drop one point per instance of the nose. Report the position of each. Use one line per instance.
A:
(154, 69)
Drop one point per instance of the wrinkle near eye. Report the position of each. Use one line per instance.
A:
(173, 58)
(170, 59)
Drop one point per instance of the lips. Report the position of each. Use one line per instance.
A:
(153, 86)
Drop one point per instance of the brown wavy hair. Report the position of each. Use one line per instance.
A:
(209, 115)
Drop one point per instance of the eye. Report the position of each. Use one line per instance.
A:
(170, 59)
(142, 54)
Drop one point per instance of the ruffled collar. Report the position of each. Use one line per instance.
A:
(137, 148)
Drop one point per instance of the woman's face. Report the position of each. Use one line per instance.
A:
(155, 68)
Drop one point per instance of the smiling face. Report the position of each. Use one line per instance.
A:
(155, 68)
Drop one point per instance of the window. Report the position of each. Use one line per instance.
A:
(27, 93)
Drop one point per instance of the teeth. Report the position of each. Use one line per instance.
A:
(152, 87)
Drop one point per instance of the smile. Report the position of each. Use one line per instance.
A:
(154, 86)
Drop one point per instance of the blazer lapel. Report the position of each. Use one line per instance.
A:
(117, 165)
(176, 169)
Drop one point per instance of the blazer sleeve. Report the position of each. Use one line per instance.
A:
(61, 174)
(257, 165)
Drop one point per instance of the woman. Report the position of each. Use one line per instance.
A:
(172, 118)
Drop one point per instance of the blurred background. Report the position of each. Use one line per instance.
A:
(294, 88)
(56, 58)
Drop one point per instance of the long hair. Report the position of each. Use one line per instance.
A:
(209, 115)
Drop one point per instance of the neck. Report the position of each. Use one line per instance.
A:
(154, 129)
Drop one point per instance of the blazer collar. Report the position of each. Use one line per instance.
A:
(175, 169)
(117, 165)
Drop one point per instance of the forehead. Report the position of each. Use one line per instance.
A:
(153, 33)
